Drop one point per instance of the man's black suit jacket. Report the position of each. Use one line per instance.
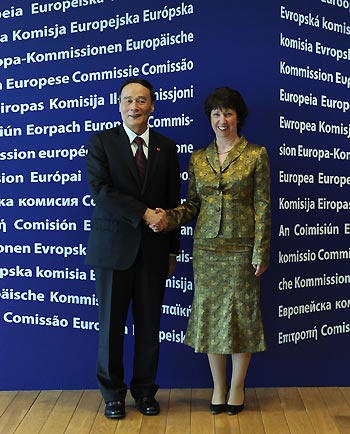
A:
(121, 199)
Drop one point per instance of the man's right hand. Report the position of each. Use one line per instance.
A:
(156, 219)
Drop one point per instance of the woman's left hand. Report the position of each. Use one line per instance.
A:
(259, 269)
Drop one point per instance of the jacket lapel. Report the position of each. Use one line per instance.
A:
(231, 156)
(234, 153)
(212, 157)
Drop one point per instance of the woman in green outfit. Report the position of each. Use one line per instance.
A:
(229, 194)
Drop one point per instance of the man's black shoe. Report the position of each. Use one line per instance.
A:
(148, 406)
(115, 409)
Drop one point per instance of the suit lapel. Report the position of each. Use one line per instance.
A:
(124, 152)
(154, 153)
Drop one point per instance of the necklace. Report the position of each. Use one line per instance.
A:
(226, 152)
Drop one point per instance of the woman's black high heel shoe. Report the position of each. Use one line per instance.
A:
(217, 408)
(235, 409)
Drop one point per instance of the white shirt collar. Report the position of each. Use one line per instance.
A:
(132, 135)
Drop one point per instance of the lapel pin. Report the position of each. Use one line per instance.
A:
(158, 149)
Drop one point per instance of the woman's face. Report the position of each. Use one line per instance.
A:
(224, 122)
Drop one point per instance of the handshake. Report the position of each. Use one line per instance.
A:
(156, 219)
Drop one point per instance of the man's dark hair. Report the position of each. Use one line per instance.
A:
(141, 81)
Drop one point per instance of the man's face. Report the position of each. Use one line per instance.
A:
(135, 106)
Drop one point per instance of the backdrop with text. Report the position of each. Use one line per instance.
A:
(61, 65)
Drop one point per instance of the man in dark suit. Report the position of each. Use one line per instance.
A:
(131, 261)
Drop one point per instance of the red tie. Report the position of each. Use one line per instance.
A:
(140, 157)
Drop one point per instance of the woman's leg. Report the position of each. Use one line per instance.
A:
(240, 363)
(217, 364)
